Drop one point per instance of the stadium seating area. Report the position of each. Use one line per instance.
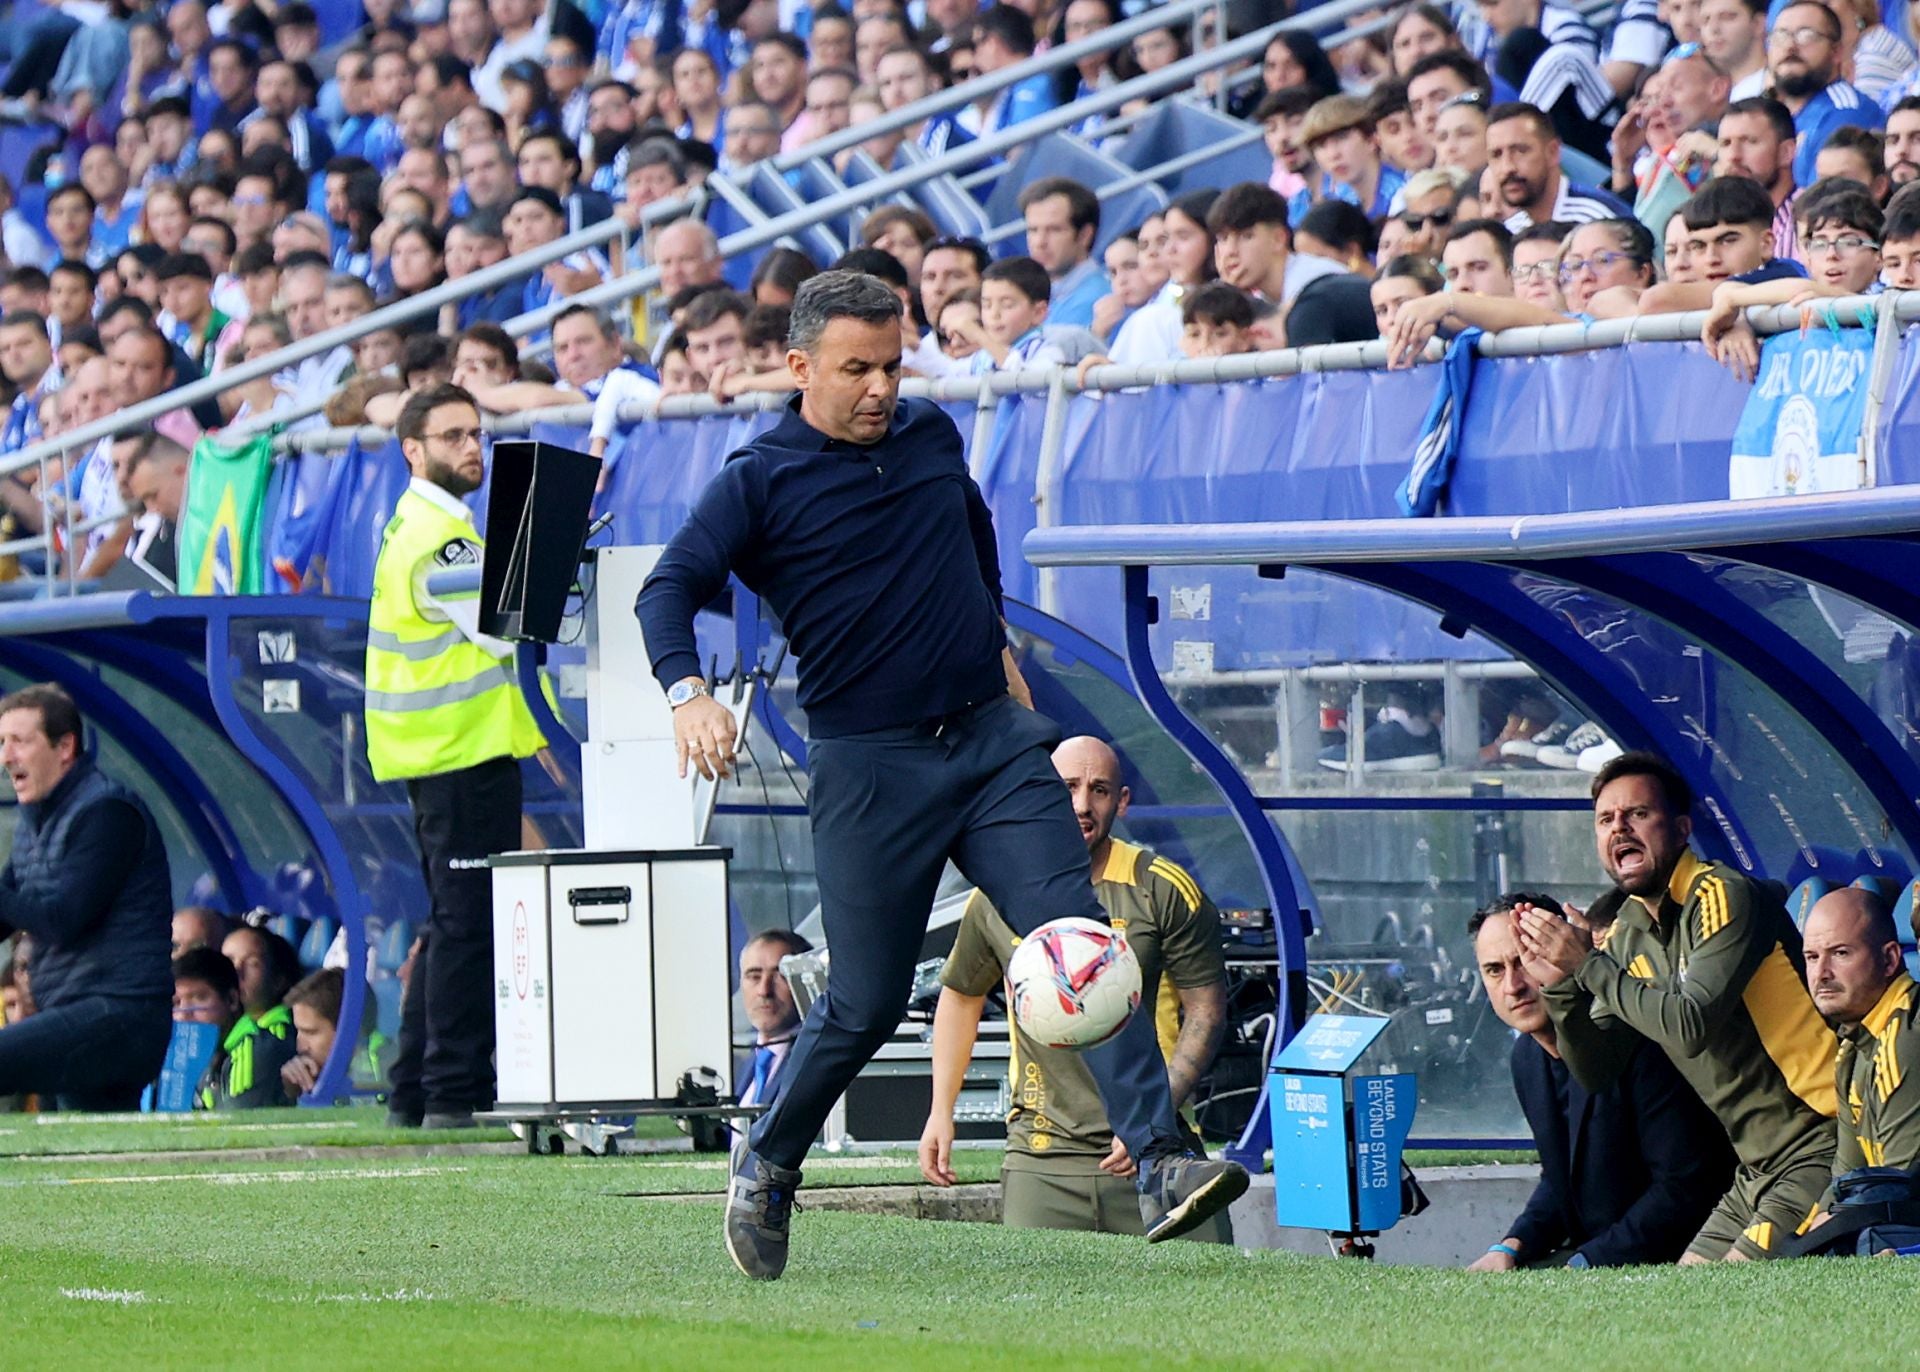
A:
(1196, 182)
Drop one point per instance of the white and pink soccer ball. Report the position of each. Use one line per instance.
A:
(1073, 983)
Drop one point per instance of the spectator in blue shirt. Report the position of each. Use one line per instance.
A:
(1003, 37)
(1803, 55)
(285, 91)
(1063, 219)
(227, 96)
(1339, 132)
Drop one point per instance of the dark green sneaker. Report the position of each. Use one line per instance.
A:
(1181, 1190)
(760, 1208)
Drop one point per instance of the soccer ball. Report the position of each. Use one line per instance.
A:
(1074, 983)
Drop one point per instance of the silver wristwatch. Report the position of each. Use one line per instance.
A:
(681, 692)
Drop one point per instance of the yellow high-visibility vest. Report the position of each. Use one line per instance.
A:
(436, 701)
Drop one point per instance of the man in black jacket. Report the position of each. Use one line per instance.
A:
(855, 520)
(1628, 1174)
(88, 880)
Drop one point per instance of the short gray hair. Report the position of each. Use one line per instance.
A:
(839, 295)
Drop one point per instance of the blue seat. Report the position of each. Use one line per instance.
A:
(725, 220)
(944, 200)
(1903, 910)
(859, 170)
(1884, 887)
(1177, 128)
(1801, 899)
(390, 949)
(290, 927)
(816, 180)
(320, 935)
(776, 196)
(1060, 154)
(1583, 170)
(386, 1006)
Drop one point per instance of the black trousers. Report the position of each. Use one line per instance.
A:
(95, 1053)
(444, 1063)
(888, 810)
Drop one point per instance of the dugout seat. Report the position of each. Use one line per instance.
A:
(391, 950)
(320, 936)
(290, 927)
(1800, 900)
(1903, 915)
(1884, 887)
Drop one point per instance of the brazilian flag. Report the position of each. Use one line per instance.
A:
(220, 528)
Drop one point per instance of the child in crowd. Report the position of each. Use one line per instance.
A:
(1408, 277)
(677, 376)
(764, 336)
(959, 325)
(1014, 296)
(1216, 320)
(1729, 237)
(1841, 228)
(1339, 132)
(1900, 244)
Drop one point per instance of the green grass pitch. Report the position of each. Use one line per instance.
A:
(133, 1245)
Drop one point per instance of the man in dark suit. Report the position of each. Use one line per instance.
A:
(771, 1011)
(1628, 1174)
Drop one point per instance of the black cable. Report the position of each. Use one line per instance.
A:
(766, 799)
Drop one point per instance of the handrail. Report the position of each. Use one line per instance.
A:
(1884, 511)
(1532, 341)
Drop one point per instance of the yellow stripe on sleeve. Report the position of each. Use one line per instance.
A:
(1180, 881)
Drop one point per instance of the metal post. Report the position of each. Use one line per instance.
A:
(1047, 483)
(1220, 36)
(1356, 735)
(983, 419)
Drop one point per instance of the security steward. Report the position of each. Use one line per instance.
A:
(445, 715)
(87, 878)
(1065, 1169)
(1706, 964)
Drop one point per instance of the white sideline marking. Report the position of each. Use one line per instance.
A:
(405, 1295)
(821, 1163)
(94, 1293)
(243, 1178)
(208, 1121)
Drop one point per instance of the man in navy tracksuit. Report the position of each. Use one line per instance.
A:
(856, 521)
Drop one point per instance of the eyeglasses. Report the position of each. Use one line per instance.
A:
(456, 438)
(1598, 263)
(249, 200)
(1799, 38)
(1440, 219)
(1535, 271)
(1849, 243)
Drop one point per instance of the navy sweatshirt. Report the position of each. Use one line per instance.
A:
(879, 561)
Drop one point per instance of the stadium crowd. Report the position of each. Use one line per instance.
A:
(218, 184)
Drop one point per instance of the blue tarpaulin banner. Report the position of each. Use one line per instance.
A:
(1800, 431)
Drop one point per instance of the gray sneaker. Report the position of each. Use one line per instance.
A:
(760, 1208)
(1181, 1190)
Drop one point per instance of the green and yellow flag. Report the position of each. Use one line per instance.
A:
(220, 528)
